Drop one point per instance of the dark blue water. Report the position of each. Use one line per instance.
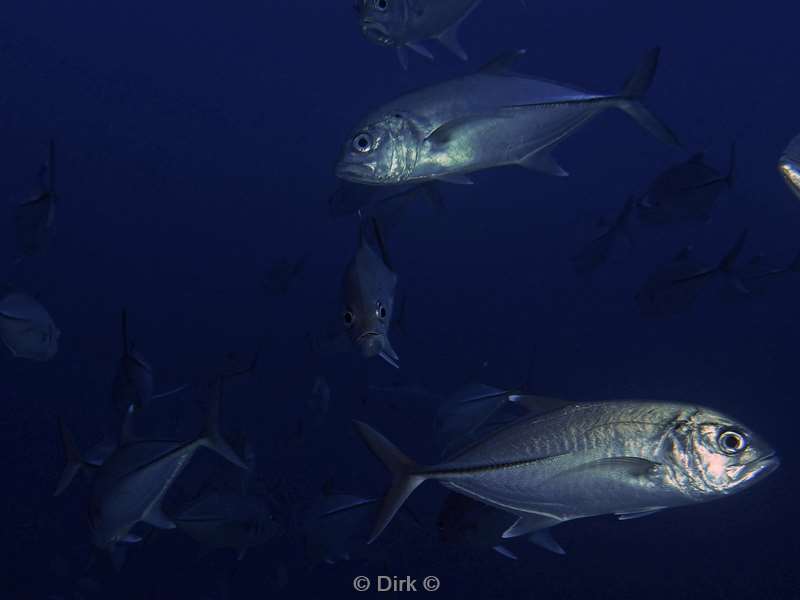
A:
(196, 145)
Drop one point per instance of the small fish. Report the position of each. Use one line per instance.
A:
(789, 166)
(405, 24)
(674, 288)
(491, 118)
(128, 488)
(26, 328)
(35, 218)
(134, 381)
(594, 254)
(627, 458)
(229, 520)
(369, 292)
(685, 192)
(336, 526)
(281, 274)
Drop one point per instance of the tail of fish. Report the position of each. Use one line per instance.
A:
(632, 97)
(212, 439)
(406, 476)
(72, 456)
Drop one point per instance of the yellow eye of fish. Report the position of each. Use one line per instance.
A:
(732, 442)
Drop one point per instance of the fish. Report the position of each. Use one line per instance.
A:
(465, 521)
(405, 24)
(467, 410)
(789, 166)
(336, 526)
(34, 218)
(134, 381)
(685, 192)
(220, 519)
(368, 297)
(674, 287)
(279, 275)
(626, 458)
(128, 488)
(596, 252)
(491, 118)
(26, 328)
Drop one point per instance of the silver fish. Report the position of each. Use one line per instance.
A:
(26, 328)
(685, 192)
(229, 520)
(627, 458)
(369, 291)
(129, 486)
(404, 24)
(488, 119)
(789, 165)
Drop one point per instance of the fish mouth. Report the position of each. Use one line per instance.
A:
(354, 172)
(761, 467)
(376, 32)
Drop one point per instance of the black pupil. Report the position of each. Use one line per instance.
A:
(383, 312)
(348, 318)
(732, 442)
(381, 3)
(363, 142)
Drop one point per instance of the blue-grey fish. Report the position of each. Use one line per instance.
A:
(405, 24)
(597, 251)
(134, 381)
(491, 118)
(685, 192)
(789, 165)
(280, 274)
(673, 288)
(369, 292)
(627, 458)
(26, 328)
(35, 218)
(229, 520)
(128, 488)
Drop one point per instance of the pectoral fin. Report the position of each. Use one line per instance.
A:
(543, 162)
(639, 514)
(503, 551)
(528, 524)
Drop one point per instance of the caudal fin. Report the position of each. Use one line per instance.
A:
(405, 475)
(74, 462)
(631, 99)
(212, 438)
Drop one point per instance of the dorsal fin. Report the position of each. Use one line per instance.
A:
(501, 65)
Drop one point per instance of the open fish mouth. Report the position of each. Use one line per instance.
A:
(376, 32)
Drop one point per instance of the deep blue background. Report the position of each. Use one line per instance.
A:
(196, 142)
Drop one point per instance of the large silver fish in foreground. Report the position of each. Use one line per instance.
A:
(405, 23)
(369, 290)
(492, 118)
(629, 458)
(789, 165)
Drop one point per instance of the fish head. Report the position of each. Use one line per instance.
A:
(383, 151)
(383, 22)
(720, 456)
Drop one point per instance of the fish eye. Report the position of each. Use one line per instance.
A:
(731, 442)
(348, 318)
(380, 310)
(362, 142)
(381, 4)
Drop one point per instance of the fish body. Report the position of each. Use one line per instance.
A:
(404, 24)
(228, 520)
(598, 250)
(789, 166)
(35, 218)
(368, 297)
(685, 192)
(487, 119)
(26, 328)
(625, 457)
